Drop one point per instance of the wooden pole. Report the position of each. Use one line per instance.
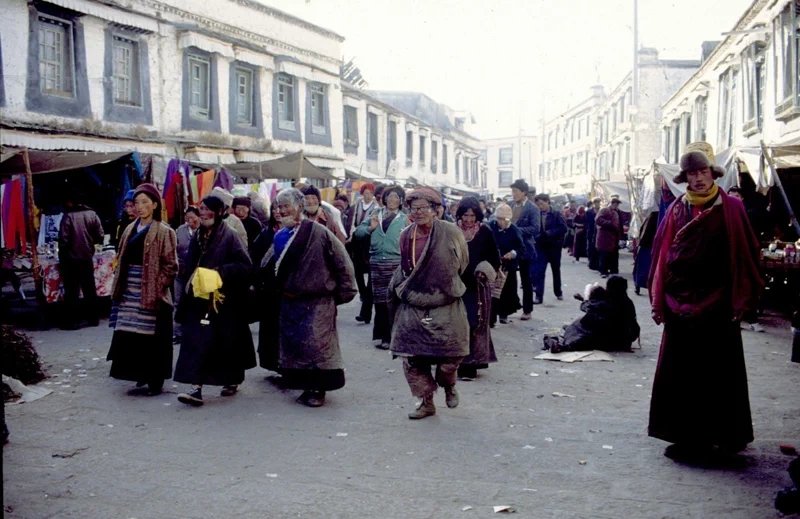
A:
(300, 168)
(779, 185)
(37, 276)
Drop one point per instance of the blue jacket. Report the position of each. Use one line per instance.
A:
(554, 230)
(530, 226)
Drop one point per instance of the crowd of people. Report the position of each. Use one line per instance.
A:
(433, 280)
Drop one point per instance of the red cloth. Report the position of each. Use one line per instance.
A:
(15, 226)
(746, 282)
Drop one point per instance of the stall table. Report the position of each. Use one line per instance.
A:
(53, 287)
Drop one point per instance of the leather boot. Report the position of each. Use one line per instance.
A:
(451, 397)
(425, 409)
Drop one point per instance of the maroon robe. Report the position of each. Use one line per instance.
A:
(704, 273)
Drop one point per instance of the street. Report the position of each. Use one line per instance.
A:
(89, 450)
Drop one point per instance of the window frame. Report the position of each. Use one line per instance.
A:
(786, 84)
(444, 158)
(286, 84)
(372, 129)
(508, 150)
(317, 95)
(135, 75)
(350, 134)
(66, 28)
(195, 111)
(434, 156)
(422, 157)
(409, 148)
(249, 95)
(505, 181)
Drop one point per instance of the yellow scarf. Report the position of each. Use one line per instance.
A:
(206, 284)
(701, 199)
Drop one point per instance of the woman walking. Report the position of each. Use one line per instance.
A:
(141, 311)
(484, 261)
(511, 246)
(430, 324)
(383, 229)
(184, 233)
(217, 346)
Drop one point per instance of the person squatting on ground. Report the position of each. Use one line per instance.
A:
(526, 216)
(480, 274)
(704, 277)
(549, 244)
(217, 346)
(141, 300)
(359, 248)
(306, 275)
(608, 235)
(511, 247)
(80, 231)
(609, 323)
(430, 324)
(383, 230)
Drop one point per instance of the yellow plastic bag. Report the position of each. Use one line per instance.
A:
(206, 284)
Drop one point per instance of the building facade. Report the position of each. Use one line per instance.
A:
(223, 81)
(567, 148)
(409, 138)
(746, 91)
(508, 159)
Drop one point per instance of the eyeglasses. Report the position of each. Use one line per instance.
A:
(420, 209)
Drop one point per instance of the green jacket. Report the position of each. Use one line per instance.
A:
(383, 245)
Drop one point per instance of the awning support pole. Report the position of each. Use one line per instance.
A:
(779, 185)
(37, 276)
(300, 168)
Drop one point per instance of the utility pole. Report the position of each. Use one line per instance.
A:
(519, 140)
(635, 93)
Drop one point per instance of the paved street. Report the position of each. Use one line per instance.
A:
(91, 451)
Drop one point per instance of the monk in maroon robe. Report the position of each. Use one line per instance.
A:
(704, 276)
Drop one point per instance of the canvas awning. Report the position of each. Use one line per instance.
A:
(284, 167)
(41, 162)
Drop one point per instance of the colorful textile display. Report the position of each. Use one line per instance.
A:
(14, 215)
(53, 287)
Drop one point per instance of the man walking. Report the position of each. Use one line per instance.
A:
(527, 217)
(548, 248)
(591, 234)
(609, 232)
(359, 249)
(80, 231)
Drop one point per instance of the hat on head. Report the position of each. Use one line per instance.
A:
(364, 187)
(521, 185)
(311, 190)
(223, 195)
(503, 211)
(150, 190)
(697, 156)
(242, 200)
(424, 193)
(129, 196)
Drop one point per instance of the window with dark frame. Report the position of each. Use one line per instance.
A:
(199, 87)
(372, 132)
(421, 150)
(434, 156)
(786, 57)
(351, 126)
(56, 63)
(125, 71)
(286, 95)
(392, 138)
(506, 156)
(244, 97)
(317, 108)
(444, 158)
(409, 148)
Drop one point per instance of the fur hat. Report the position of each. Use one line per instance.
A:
(223, 195)
(150, 190)
(503, 211)
(242, 200)
(521, 185)
(424, 193)
(697, 156)
(364, 187)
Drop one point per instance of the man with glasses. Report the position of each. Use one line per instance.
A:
(430, 321)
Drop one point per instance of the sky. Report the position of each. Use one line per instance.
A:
(511, 62)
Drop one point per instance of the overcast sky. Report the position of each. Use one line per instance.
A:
(508, 60)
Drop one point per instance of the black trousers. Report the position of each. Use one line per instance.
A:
(525, 269)
(609, 262)
(547, 256)
(78, 276)
(382, 329)
(364, 290)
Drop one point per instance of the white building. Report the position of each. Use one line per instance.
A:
(508, 159)
(567, 145)
(746, 91)
(408, 137)
(216, 81)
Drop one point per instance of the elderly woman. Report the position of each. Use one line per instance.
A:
(430, 324)
(217, 346)
(511, 246)
(307, 274)
(579, 243)
(383, 230)
(704, 276)
(484, 261)
(185, 233)
(242, 206)
(141, 311)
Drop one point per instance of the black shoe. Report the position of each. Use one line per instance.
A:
(637, 291)
(229, 390)
(155, 388)
(537, 301)
(194, 398)
(560, 298)
(94, 322)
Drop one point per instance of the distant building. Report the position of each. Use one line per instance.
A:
(508, 159)
(410, 138)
